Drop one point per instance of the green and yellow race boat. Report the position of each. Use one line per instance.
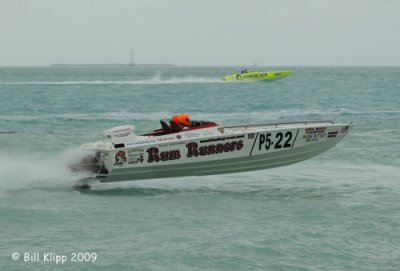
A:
(257, 76)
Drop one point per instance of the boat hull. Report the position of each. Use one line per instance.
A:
(226, 166)
(257, 76)
(236, 149)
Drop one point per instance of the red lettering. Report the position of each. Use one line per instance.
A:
(211, 149)
(220, 148)
(227, 147)
(203, 150)
(233, 145)
(164, 156)
(239, 145)
(153, 155)
(192, 149)
(175, 154)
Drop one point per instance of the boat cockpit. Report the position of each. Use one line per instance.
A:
(173, 127)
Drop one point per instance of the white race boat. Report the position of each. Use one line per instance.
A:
(206, 149)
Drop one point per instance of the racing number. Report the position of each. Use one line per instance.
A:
(265, 140)
(288, 137)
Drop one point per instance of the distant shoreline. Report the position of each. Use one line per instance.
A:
(115, 65)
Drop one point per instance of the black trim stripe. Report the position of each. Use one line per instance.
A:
(254, 143)
(294, 141)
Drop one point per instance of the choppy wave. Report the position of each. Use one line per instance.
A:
(218, 116)
(306, 180)
(156, 80)
(8, 132)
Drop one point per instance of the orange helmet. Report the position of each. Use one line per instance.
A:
(175, 118)
(184, 119)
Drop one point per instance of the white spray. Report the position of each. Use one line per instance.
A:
(24, 171)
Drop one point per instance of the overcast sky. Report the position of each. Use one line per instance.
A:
(200, 32)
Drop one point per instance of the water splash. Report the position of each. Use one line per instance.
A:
(27, 171)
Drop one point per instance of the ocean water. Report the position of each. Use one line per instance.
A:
(337, 211)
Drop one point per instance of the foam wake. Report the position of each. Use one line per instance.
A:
(25, 171)
(156, 80)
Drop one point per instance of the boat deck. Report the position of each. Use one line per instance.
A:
(277, 125)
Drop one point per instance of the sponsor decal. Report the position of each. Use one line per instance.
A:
(140, 142)
(191, 135)
(163, 139)
(176, 143)
(317, 130)
(314, 134)
(257, 75)
(135, 156)
(194, 150)
(120, 158)
(154, 155)
(122, 134)
(178, 136)
(221, 139)
(311, 138)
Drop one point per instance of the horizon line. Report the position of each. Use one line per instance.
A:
(191, 65)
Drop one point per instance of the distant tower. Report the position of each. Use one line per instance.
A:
(131, 63)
